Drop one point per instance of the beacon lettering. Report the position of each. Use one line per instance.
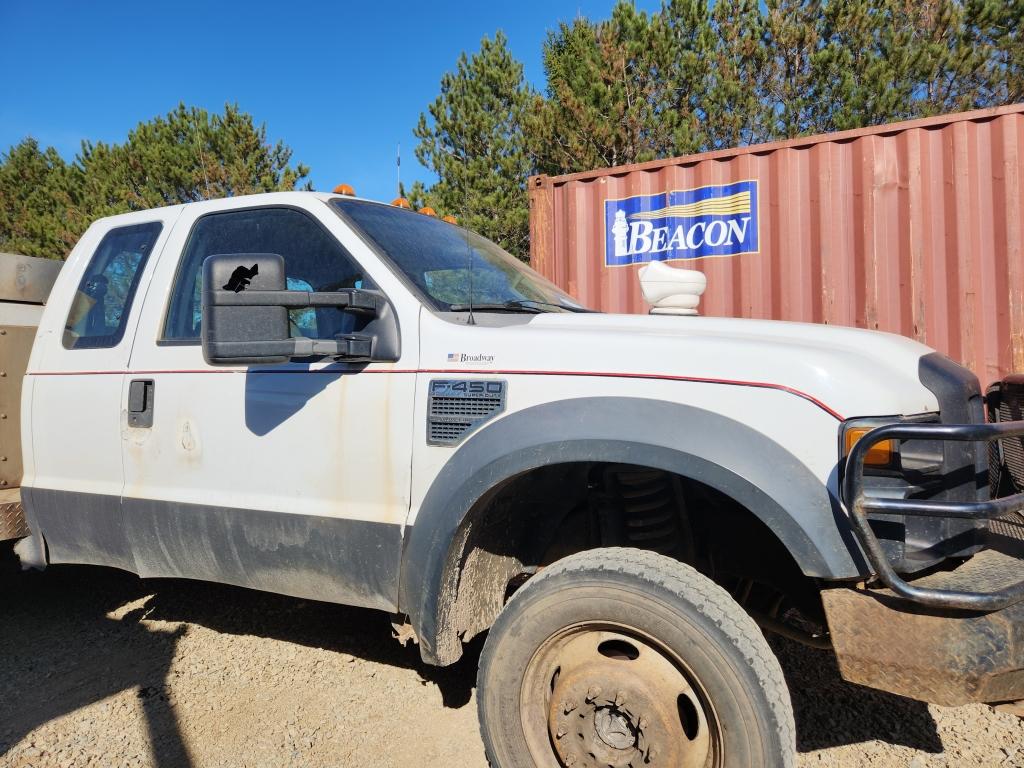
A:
(682, 224)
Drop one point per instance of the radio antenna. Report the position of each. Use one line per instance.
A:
(469, 248)
(398, 167)
(199, 144)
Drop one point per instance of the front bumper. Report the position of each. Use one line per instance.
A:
(956, 635)
(939, 656)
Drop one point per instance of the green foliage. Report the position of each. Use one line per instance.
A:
(190, 154)
(38, 202)
(791, 39)
(609, 100)
(994, 30)
(474, 140)
(739, 104)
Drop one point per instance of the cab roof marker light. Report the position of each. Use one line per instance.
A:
(345, 189)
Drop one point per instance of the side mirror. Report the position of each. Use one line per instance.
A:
(245, 306)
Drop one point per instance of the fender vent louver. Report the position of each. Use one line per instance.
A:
(456, 408)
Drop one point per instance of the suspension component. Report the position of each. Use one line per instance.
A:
(643, 508)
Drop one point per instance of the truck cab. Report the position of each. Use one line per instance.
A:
(340, 400)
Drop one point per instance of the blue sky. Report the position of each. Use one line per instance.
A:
(342, 83)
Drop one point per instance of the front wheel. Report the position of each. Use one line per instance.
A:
(623, 658)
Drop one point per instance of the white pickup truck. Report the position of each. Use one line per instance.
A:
(335, 399)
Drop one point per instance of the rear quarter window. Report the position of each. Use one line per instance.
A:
(103, 301)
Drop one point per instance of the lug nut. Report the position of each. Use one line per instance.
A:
(570, 759)
(620, 698)
(568, 705)
(561, 732)
(652, 754)
(593, 693)
(643, 722)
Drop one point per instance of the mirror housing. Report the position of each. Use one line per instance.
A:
(245, 305)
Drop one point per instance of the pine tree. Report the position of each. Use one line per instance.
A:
(1009, 46)
(685, 43)
(190, 154)
(739, 111)
(792, 38)
(186, 156)
(38, 193)
(996, 27)
(949, 73)
(474, 140)
(868, 67)
(612, 94)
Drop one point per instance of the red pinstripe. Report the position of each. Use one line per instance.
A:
(461, 372)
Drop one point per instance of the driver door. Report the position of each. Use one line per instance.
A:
(291, 478)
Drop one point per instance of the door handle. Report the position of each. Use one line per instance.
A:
(140, 402)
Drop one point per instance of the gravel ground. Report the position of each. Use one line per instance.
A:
(98, 668)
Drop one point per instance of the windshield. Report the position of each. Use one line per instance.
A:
(435, 255)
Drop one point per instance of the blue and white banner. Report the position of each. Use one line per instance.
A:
(682, 224)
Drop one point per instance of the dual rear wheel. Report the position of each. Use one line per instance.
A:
(622, 658)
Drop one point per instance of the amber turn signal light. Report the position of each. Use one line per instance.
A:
(879, 455)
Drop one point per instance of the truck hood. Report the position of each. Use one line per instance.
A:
(852, 372)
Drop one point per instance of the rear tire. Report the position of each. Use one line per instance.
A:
(623, 657)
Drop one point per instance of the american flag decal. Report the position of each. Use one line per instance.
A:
(453, 357)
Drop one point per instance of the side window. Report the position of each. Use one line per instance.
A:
(103, 302)
(314, 260)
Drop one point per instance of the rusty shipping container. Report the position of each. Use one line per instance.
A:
(915, 228)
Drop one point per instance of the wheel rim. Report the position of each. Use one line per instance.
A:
(611, 696)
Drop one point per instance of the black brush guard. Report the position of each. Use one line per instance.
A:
(861, 506)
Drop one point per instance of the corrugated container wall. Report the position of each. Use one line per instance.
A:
(915, 228)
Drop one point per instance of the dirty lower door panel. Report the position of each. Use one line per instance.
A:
(325, 558)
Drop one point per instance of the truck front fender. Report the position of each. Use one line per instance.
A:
(724, 454)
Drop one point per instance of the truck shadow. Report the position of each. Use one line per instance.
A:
(70, 638)
(831, 712)
(73, 636)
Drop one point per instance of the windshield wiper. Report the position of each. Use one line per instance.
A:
(551, 304)
(507, 306)
(531, 306)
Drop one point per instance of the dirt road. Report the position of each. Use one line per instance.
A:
(98, 668)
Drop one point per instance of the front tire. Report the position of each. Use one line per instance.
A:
(626, 658)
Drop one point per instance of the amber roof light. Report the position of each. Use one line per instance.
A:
(401, 202)
(427, 211)
(450, 219)
(345, 189)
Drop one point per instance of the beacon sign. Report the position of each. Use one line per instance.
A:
(683, 224)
